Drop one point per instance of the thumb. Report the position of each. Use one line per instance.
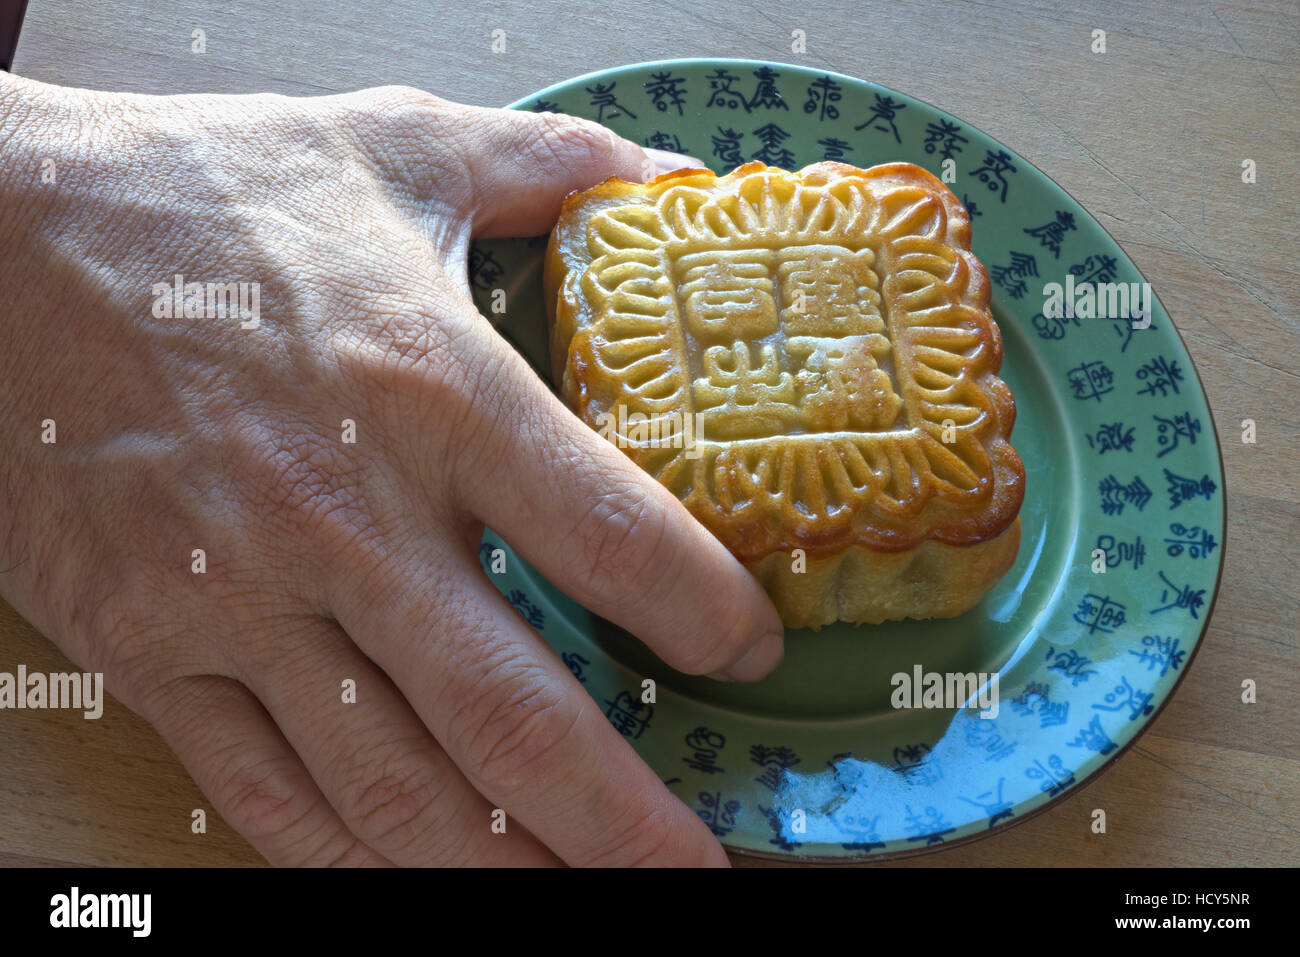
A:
(522, 165)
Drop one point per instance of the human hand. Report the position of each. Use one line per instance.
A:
(327, 559)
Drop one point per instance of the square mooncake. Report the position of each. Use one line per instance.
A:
(808, 361)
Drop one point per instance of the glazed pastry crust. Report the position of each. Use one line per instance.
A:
(828, 335)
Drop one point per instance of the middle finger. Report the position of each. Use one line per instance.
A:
(379, 767)
(516, 722)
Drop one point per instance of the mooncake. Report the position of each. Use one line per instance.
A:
(808, 361)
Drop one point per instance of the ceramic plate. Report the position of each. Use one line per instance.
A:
(1123, 518)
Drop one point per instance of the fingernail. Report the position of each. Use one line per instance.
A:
(758, 663)
(666, 162)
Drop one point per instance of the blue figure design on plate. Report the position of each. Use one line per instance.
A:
(774, 762)
(575, 663)
(664, 141)
(774, 821)
(1115, 495)
(546, 106)
(1099, 613)
(1198, 541)
(1161, 376)
(1091, 380)
(847, 771)
(1052, 327)
(1054, 775)
(1160, 652)
(1186, 598)
(993, 173)
(1036, 696)
(705, 745)
(766, 94)
(666, 91)
(1053, 713)
(603, 98)
(1052, 234)
(929, 828)
(1098, 268)
(723, 95)
(1183, 489)
(943, 137)
(1012, 277)
(1118, 552)
(982, 734)
(530, 612)
(1126, 696)
(1071, 664)
(823, 93)
(970, 206)
(1123, 326)
(1171, 430)
(726, 147)
(834, 149)
(1111, 437)
(720, 816)
(484, 270)
(864, 831)
(771, 152)
(882, 116)
(993, 806)
(1023, 703)
(916, 763)
(1093, 737)
(630, 716)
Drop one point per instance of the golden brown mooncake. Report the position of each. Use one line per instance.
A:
(808, 361)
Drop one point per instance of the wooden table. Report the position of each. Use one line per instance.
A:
(1149, 136)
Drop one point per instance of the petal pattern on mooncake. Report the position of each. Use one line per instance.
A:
(808, 361)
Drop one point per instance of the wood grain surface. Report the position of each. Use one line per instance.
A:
(1148, 136)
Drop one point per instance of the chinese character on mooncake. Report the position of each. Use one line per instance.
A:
(808, 361)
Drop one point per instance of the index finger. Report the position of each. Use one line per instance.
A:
(607, 533)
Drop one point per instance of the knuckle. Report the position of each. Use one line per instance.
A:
(573, 141)
(122, 647)
(415, 135)
(391, 805)
(513, 734)
(405, 104)
(260, 800)
(136, 653)
(623, 534)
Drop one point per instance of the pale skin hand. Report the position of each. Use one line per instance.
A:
(326, 560)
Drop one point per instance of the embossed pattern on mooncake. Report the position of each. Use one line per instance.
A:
(828, 331)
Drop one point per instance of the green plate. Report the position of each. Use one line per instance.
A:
(1121, 460)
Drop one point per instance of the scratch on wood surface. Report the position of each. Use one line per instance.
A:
(1189, 246)
(1220, 22)
(1139, 749)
